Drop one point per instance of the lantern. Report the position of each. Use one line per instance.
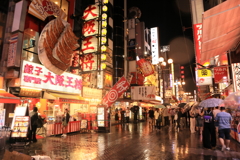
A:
(104, 40)
(104, 32)
(103, 48)
(104, 24)
(103, 66)
(104, 8)
(104, 16)
(103, 57)
(105, 1)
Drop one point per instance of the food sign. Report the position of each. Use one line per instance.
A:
(220, 73)
(236, 76)
(37, 76)
(146, 67)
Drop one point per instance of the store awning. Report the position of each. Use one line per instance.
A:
(221, 29)
(6, 97)
(65, 96)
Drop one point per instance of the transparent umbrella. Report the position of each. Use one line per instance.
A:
(233, 100)
(211, 102)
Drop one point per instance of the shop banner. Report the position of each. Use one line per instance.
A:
(88, 62)
(236, 76)
(143, 92)
(204, 77)
(12, 50)
(146, 67)
(117, 90)
(197, 30)
(34, 75)
(44, 8)
(220, 73)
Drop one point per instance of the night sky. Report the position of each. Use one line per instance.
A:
(171, 16)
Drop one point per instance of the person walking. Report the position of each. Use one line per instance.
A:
(166, 117)
(127, 114)
(224, 127)
(151, 116)
(209, 131)
(215, 112)
(192, 114)
(199, 121)
(179, 119)
(158, 118)
(33, 129)
(65, 120)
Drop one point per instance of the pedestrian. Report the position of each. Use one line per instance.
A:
(184, 118)
(122, 115)
(224, 127)
(158, 118)
(135, 113)
(209, 131)
(192, 114)
(34, 125)
(116, 115)
(127, 114)
(166, 117)
(171, 115)
(179, 117)
(151, 116)
(199, 121)
(215, 112)
(65, 120)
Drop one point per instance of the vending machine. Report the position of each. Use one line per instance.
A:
(103, 118)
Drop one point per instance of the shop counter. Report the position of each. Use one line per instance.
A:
(56, 128)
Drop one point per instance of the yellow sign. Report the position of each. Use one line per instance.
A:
(204, 73)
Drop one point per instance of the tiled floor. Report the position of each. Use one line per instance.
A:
(131, 142)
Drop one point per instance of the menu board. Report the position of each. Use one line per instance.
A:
(20, 126)
(100, 116)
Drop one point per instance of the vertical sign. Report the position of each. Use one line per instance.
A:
(154, 45)
(197, 29)
(12, 50)
(236, 76)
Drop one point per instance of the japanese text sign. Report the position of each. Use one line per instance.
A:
(90, 28)
(88, 62)
(91, 12)
(219, 73)
(44, 8)
(197, 29)
(236, 76)
(154, 45)
(146, 67)
(37, 76)
(116, 91)
(143, 92)
(89, 45)
(204, 77)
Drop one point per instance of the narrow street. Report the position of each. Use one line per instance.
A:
(131, 142)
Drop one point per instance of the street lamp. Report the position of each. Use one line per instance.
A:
(161, 68)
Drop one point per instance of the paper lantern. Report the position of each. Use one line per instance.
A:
(103, 66)
(104, 8)
(103, 57)
(104, 32)
(104, 16)
(103, 48)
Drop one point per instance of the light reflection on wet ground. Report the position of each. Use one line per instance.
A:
(131, 142)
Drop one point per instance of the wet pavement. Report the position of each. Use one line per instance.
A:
(131, 142)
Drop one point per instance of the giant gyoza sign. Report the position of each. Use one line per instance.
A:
(37, 76)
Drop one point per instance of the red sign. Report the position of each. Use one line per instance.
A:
(220, 73)
(89, 45)
(146, 67)
(197, 29)
(117, 90)
(91, 12)
(137, 79)
(90, 28)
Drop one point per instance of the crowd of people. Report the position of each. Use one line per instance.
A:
(209, 123)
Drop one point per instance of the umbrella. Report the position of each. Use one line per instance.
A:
(181, 105)
(233, 100)
(211, 102)
(159, 106)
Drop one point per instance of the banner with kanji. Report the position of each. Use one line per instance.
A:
(146, 67)
(220, 73)
(116, 91)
